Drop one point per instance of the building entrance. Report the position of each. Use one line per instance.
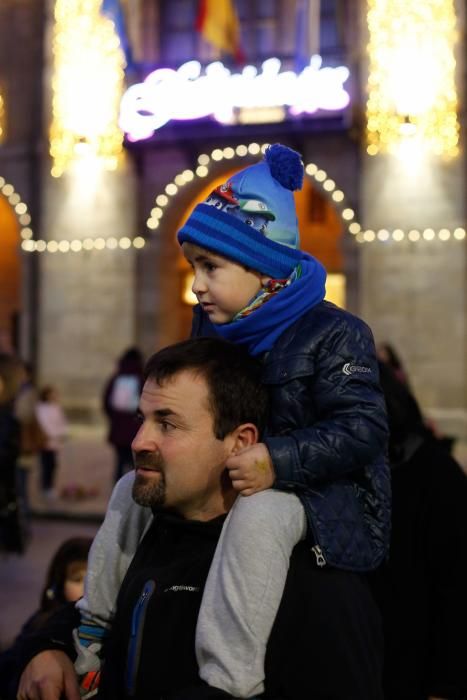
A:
(10, 277)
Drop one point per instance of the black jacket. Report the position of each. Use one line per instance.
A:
(151, 651)
(327, 433)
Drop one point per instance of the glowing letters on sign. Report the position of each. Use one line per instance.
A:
(186, 94)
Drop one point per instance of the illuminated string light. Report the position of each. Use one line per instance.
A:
(20, 208)
(411, 84)
(205, 161)
(87, 85)
(172, 189)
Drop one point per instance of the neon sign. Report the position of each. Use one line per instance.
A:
(185, 94)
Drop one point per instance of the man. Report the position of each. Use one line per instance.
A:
(202, 401)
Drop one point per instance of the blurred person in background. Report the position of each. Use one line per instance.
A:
(387, 354)
(390, 358)
(52, 420)
(120, 402)
(422, 586)
(64, 583)
(32, 437)
(12, 535)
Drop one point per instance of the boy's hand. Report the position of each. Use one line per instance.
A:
(251, 470)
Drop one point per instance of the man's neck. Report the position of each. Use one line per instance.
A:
(214, 508)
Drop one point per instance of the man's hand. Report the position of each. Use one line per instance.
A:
(251, 470)
(49, 676)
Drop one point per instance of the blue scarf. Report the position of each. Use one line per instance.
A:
(260, 330)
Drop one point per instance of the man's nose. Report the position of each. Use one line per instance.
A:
(144, 440)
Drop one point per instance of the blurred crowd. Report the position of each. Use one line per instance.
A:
(33, 431)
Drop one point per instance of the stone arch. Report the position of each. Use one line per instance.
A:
(191, 186)
(15, 232)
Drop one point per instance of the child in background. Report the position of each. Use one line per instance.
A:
(52, 420)
(32, 435)
(326, 440)
(64, 583)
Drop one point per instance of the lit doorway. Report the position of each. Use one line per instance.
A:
(10, 278)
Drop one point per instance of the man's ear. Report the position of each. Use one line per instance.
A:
(245, 435)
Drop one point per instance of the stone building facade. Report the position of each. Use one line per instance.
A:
(75, 312)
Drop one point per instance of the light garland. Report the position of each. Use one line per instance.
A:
(78, 245)
(202, 170)
(19, 207)
(411, 85)
(87, 85)
(412, 236)
(218, 154)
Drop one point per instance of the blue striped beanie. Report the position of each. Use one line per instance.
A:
(251, 219)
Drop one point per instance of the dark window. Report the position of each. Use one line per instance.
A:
(266, 29)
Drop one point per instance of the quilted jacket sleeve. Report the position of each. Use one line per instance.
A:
(349, 428)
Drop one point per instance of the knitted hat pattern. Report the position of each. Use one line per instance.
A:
(251, 219)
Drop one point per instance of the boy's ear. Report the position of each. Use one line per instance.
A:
(245, 435)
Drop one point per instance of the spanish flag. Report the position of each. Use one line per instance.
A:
(218, 24)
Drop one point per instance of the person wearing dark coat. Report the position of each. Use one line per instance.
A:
(422, 586)
(11, 531)
(120, 401)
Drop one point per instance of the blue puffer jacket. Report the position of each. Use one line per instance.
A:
(327, 433)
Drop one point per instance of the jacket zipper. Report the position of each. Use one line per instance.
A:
(136, 638)
(320, 558)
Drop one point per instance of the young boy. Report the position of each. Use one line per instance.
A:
(326, 438)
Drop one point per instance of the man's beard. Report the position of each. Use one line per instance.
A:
(148, 491)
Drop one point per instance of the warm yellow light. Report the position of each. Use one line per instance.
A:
(411, 84)
(87, 85)
(336, 289)
(187, 293)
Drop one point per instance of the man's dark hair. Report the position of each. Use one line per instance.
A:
(236, 394)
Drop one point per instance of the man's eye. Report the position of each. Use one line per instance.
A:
(166, 426)
(210, 267)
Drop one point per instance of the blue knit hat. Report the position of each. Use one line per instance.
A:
(251, 219)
